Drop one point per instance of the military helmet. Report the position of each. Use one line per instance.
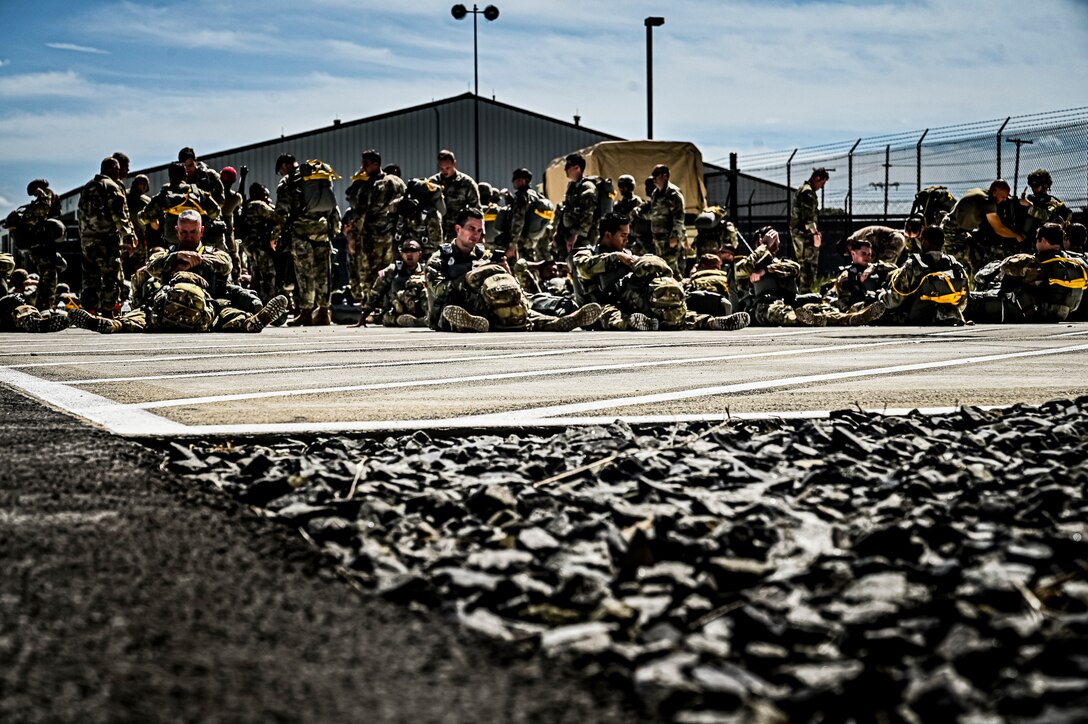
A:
(626, 181)
(486, 190)
(1040, 177)
(522, 173)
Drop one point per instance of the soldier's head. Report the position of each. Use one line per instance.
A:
(372, 162)
(1040, 181)
(548, 269)
(1051, 237)
(258, 191)
(187, 158)
(37, 187)
(626, 184)
(392, 169)
(190, 229)
(768, 236)
(575, 166)
(410, 251)
(141, 184)
(175, 172)
(285, 163)
(447, 163)
(111, 168)
(1075, 236)
(660, 175)
(1000, 190)
(469, 228)
(123, 162)
(521, 178)
(861, 252)
(614, 230)
(913, 226)
(727, 253)
(818, 178)
(486, 192)
(708, 261)
(932, 239)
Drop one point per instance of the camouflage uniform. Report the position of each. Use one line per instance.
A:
(16, 315)
(209, 182)
(628, 205)
(459, 191)
(851, 292)
(375, 225)
(216, 313)
(445, 276)
(33, 232)
(306, 236)
(258, 226)
(397, 291)
(7, 266)
(521, 203)
(666, 217)
(803, 220)
(1047, 286)
(888, 243)
(941, 301)
(136, 258)
(968, 214)
(714, 230)
(421, 213)
(103, 226)
(774, 295)
(161, 212)
(232, 206)
(579, 216)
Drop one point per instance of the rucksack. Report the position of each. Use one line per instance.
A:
(933, 204)
(318, 196)
(1066, 281)
(181, 202)
(711, 280)
(538, 220)
(666, 298)
(505, 301)
(183, 305)
(606, 195)
(650, 266)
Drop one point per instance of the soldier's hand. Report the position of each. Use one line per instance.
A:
(186, 260)
(626, 258)
(817, 239)
(272, 243)
(571, 241)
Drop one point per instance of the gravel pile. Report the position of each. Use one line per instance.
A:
(877, 568)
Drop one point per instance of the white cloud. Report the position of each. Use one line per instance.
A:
(66, 84)
(77, 48)
(4, 62)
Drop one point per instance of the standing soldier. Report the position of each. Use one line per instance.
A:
(804, 231)
(374, 221)
(530, 218)
(258, 229)
(138, 198)
(666, 217)
(578, 223)
(977, 209)
(104, 226)
(161, 213)
(306, 234)
(1041, 207)
(459, 191)
(232, 206)
(626, 205)
(199, 175)
(37, 228)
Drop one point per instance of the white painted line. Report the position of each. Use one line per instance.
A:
(574, 409)
(98, 410)
(193, 401)
(1078, 333)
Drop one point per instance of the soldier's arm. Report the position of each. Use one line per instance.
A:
(1000, 229)
(217, 260)
(438, 286)
(809, 209)
(160, 264)
(379, 290)
(580, 213)
(677, 201)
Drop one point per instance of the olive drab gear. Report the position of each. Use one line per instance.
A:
(711, 280)
(318, 195)
(606, 195)
(183, 304)
(667, 300)
(505, 302)
(933, 204)
(946, 286)
(538, 221)
(650, 266)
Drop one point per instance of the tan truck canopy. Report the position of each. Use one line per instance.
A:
(612, 159)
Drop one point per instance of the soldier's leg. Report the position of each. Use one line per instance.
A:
(112, 278)
(302, 254)
(46, 296)
(322, 273)
(775, 314)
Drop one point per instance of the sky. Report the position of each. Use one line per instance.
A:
(80, 81)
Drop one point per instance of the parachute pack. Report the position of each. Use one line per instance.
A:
(318, 195)
(538, 222)
(606, 195)
(933, 204)
(652, 277)
(505, 300)
(183, 305)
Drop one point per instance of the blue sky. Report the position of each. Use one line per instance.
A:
(78, 82)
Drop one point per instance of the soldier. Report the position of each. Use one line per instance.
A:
(862, 281)
(420, 213)
(465, 296)
(459, 191)
(714, 230)
(1040, 207)
(932, 204)
(124, 164)
(627, 204)
(36, 228)
(104, 226)
(530, 218)
(1047, 286)
(17, 315)
(305, 233)
(259, 229)
(193, 278)
(973, 229)
(930, 287)
(774, 301)
(199, 175)
(804, 228)
(577, 226)
(232, 206)
(398, 297)
(666, 217)
(138, 197)
(490, 206)
(7, 266)
(161, 212)
(375, 223)
(885, 243)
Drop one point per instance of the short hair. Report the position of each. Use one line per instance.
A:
(392, 169)
(1052, 233)
(611, 222)
(410, 245)
(860, 242)
(284, 158)
(709, 261)
(1000, 184)
(659, 170)
(141, 179)
(1077, 235)
(820, 172)
(122, 158)
(175, 172)
(934, 237)
(522, 173)
(372, 156)
(107, 163)
(38, 183)
(190, 215)
(914, 224)
(446, 155)
(187, 154)
(575, 159)
(257, 189)
(469, 212)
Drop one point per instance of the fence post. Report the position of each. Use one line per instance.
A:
(750, 197)
(733, 185)
(850, 179)
(918, 161)
(789, 187)
(999, 132)
(887, 177)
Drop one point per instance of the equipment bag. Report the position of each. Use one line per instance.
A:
(505, 301)
(666, 298)
(711, 280)
(651, 266)
(933, 204)
(184, 305)
(538, 220)
(606, 195)
(318, 195)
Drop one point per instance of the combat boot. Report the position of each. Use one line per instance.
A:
(462, 321)
(304, 318)
(85, 320)
(54, 322)
(272, 311)
(808, 318)
(641, 322)
(321, 317)
(869, 314)
(581, 317)
(730, 322)
(408, 320)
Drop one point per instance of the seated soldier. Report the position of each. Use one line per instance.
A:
(709, 287)
(192, 277)
(862, 281)
(398, 297)
(161, 212)
(774, 301)
(17, 314)
(931, 287)
(1046, 286)
(887, 244)
(467, 292)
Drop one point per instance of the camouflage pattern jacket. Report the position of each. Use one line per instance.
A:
(666, 213)
(805, 212)
(214, 267)
(391, 281)
(162, 210)
(291, 206)
(445, 275)
(599, 272)
(459, 192)
(258, 225)
(103, 209)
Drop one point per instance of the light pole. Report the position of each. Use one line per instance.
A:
(490, 13)
(650, 23)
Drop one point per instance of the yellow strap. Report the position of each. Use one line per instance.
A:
(953, 296)
(361, 176)
(490, 216)
(319, 173)
(186, 204)
(548, 214)
(1070, 283)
